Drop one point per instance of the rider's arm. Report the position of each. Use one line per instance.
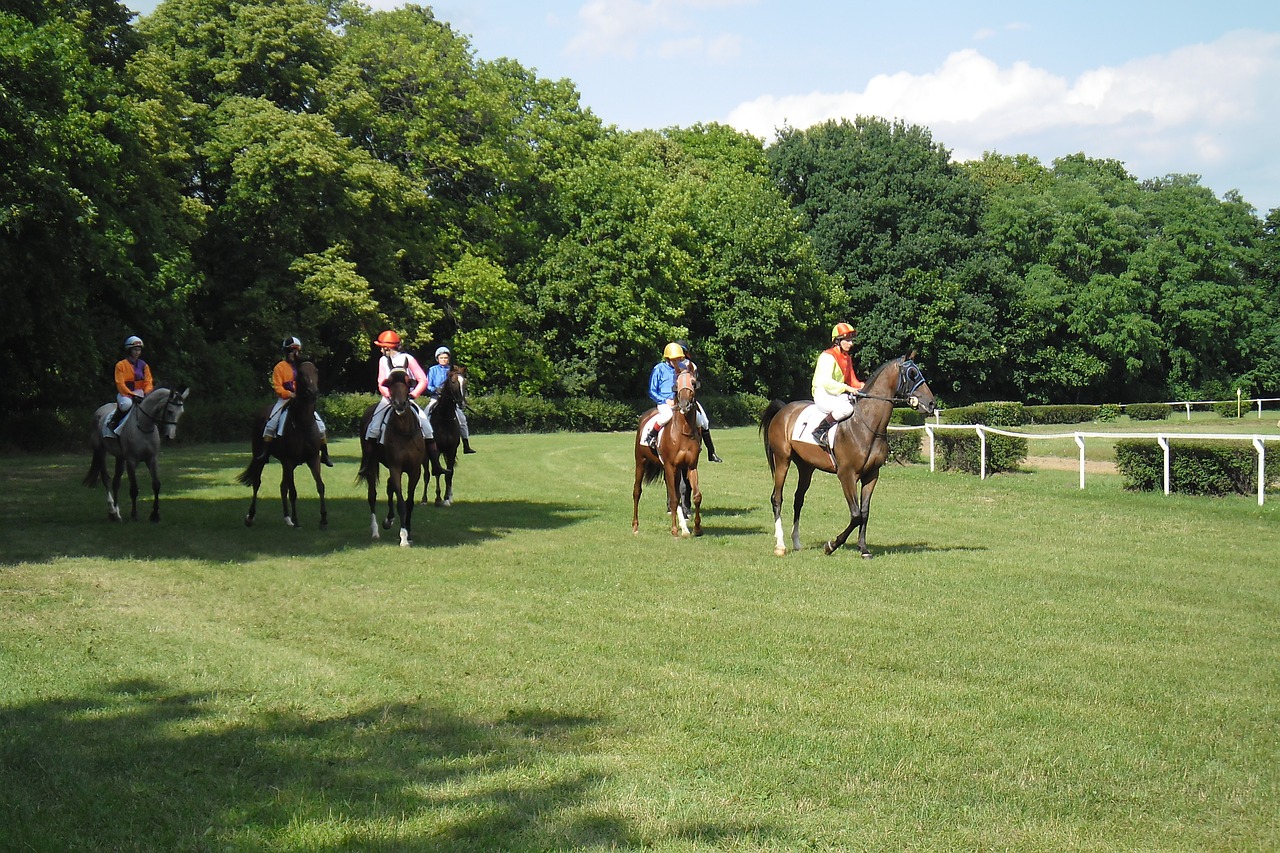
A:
(282, 380)
(416, 371)
(384, 370)
(825, 374)
(124, 375)
(658, 392)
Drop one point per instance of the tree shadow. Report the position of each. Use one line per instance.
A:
(136, 766)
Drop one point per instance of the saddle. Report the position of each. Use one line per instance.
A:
(802, 430)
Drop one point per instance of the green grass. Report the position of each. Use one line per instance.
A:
(1025, 665)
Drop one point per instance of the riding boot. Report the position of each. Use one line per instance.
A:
(324, 454)
(651, 439)
(265, 454)
(711, 448)
(114, 421)
(821, 430)
(466, 446)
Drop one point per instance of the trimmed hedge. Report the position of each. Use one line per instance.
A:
(1071, 414)
(962, 451)
(905, 446)
(1148, 411)
(1195, 467)
(1108, 412)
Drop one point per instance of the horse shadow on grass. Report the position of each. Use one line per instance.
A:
(134, 765)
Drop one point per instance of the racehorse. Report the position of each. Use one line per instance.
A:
(679, 445)
(138, 440)
(402, 451)
(444, 423)
(859, 446)
(298, 443)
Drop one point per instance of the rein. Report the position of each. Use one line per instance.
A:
(163, 420)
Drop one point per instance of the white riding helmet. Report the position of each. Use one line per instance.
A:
(441, 350)
(132, 341)
(291, 343)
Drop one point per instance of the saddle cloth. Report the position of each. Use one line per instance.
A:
(802, 431)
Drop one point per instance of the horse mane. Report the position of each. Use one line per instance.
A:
(881, 369)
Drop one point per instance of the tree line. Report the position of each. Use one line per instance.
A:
(219, 175)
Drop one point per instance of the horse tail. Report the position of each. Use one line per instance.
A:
(652, 471)
(246, 477)
(770, 412)
(97, 467)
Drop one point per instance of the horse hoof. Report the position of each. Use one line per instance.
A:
(248, 521)
(386, 524)
(779, 552)
(867, 555)
(828, 549)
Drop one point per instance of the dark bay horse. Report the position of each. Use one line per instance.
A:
(138, 441)
(297, 444)
(402, 450)
(448, 434)
(860, 444)
(679, 445)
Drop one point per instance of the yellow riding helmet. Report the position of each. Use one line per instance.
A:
(673, 350)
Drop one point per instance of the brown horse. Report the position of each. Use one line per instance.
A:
(297, 444)
(679, 445)
(402, 450)
(448, 433)
(860, 444)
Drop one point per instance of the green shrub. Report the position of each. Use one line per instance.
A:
(1148, 411)
(1230, 409)
(962, 451)
(342, 413)
(45, 429)
(1068, 414)
(1108, 412)
(1195, 467)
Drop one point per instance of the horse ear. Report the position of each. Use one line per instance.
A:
(912, 357)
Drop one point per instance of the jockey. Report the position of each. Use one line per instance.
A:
(662, 390)
(704, 423)
(133, 380)
(393, 360)
(834, 381)
(437, 374)
(284, 379)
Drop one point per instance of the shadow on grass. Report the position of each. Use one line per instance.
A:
(134, 766)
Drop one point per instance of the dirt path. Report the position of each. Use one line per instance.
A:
(1062, 463)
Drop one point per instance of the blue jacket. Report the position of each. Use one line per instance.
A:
(662, 383)
(436, 375)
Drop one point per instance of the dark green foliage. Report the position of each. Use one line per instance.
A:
(1148, 411)
(1231, 408)
(1195, 467)
(1071, 414)
(1108, 412)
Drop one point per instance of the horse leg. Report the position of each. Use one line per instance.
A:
(392, 483)
(868, 486)
(406, 537)
(132, 469)
(287, 491)
(154, 468)
(804, 478)
(314, 465)
(780, 468)
(112, 485)
(849, 482)
(252, 476)
(679, 523)
(448, 485)
(371, 482)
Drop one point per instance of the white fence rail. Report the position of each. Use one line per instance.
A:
(1242, 403)
(1259, 444)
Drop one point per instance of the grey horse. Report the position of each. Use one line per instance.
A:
(136, 440)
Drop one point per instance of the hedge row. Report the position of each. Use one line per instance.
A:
(1195, 467)
(962, 451)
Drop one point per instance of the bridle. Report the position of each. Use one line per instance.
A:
(168, 414)
(685, 392)
(910, 377)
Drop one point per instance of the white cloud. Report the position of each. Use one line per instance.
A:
(1188, 106)
(669, 29)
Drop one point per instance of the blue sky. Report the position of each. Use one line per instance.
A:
(1166, 87)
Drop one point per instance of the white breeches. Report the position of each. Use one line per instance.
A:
(839, 406)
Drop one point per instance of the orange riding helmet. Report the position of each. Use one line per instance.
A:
(841, 330)
(388, 340)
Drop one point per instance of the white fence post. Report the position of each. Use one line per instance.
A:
(1262, 468)
(982, 449)
(1080, 444)
(1164, 445)
(928, 430)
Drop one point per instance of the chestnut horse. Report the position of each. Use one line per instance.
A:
(859, 446)
(679, 445)
(402, 451)
(297, 444)
(138, 440)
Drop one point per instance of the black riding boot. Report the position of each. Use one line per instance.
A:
(324, 454)
(264, 454)
(466, 446)
(821, 430)
(114, 421)
(433, 453)
(711, 448)
(651, 439)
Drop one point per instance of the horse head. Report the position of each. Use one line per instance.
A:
(307, 386)
(398, 386)
(162, 408)
(454, 386)
(912, 387)
(686, 393)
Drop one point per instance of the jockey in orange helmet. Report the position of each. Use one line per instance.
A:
(393, 360)
(834, 381)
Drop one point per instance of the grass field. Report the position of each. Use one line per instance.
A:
(1024, 666)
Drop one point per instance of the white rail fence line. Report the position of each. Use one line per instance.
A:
(1240, 402)
(1259, 444)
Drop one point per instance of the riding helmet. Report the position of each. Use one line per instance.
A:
(673, 350)
(291, 343)
(841, 330)
(388, 339)
(132, 341)
(441, 350)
